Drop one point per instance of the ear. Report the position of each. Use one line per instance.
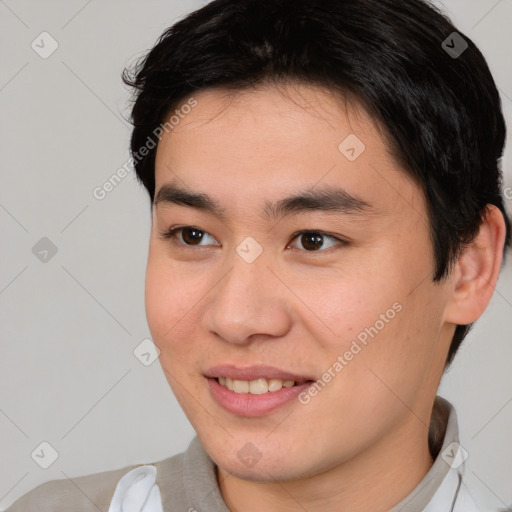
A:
(476, 271)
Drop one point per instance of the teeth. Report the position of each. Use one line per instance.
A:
(275, 384)
(255, 387)
(241, 386)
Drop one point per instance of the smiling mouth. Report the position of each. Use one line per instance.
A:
(257, 386)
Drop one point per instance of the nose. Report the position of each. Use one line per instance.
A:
(249, 302)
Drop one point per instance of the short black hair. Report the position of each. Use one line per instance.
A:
(439, 108)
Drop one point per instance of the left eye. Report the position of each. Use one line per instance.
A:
(191, 236)
(314, 240)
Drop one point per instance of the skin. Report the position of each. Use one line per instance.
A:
(361, 443)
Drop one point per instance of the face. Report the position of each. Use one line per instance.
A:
(333, 287)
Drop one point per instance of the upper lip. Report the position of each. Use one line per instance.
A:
(254, 372)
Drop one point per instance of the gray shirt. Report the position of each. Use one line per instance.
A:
(187, 481)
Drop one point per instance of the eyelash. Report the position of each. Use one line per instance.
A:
(171, 234)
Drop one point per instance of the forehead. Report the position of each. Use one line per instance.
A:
(243, 146)
(273, 114)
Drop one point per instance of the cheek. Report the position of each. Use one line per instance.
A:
(171, 300)
(170, 295)
(383, 318)
(348, 300)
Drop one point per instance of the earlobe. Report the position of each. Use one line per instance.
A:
(476, 272)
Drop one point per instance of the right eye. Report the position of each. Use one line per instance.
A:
(188, 236)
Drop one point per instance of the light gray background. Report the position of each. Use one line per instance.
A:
(69, 326)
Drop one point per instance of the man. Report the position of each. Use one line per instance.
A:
(327, 225)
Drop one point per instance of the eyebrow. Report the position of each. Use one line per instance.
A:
(321, 198)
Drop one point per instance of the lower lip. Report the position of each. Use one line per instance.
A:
(246, 404)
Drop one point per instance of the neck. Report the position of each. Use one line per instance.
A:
(376, 479)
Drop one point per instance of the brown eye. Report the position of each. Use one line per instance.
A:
(191, 236)
(188, 236)
(312, 241)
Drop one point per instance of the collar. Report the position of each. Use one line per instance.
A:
(442, 479)
(441, 490)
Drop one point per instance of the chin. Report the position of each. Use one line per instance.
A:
(269, 463)
(261, 472)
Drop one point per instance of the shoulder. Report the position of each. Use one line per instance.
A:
(88, 493)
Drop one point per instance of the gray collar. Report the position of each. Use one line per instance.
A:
(201, 487)
(423, 493)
